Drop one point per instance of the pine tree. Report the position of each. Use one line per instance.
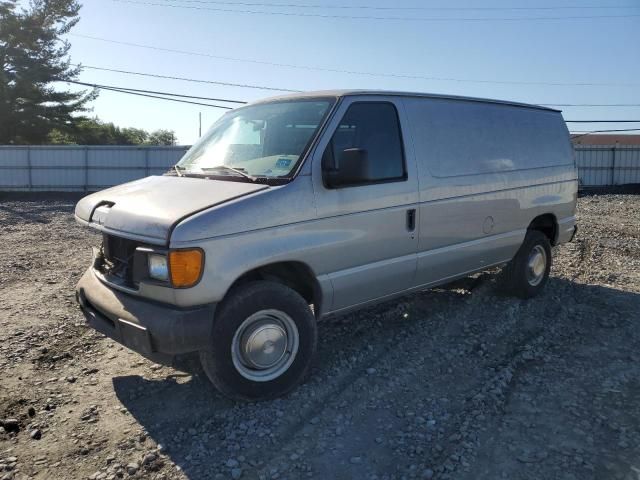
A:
(33, 57)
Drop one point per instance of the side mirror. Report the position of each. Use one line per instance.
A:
(352, 167)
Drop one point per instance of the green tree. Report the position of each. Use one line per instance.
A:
(162, 137)
(93, 131)
(32, 57)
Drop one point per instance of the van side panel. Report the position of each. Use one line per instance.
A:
(485, 172)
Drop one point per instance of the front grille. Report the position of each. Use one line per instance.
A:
(118, 256)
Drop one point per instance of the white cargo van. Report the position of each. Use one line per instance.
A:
(295, 208)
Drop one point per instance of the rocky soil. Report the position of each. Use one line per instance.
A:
(460, 382)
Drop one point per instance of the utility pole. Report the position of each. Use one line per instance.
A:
(200, 124)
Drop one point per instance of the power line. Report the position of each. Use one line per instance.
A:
(154, 75)
(140, 94)
(162, 98)
(345, 71)
(589, 104)
(160, 93)
(374, 7)
(185, 79)
(602, 121)
(371, 17)
(604, 131)
(156, 94)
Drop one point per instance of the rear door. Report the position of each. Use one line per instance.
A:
(372, 225)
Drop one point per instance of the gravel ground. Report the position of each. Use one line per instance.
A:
(459, 382)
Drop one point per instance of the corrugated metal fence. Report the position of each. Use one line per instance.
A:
(82, 168)
(602, 165)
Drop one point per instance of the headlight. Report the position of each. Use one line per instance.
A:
(158, 268)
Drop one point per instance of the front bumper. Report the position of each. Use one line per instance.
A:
(157, 331)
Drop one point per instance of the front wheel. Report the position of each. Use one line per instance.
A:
(264, 339)
(526, 275)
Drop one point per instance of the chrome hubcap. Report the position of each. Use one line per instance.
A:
(536, 265)
(265, 345)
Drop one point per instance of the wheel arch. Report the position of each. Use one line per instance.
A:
(294, 274)
(546, 223)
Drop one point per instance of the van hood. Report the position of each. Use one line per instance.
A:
(147, 209)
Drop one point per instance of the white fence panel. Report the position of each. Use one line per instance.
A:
(603, 165)
(107, 167)
(627, 166)
(14, 168)
(81, 168)
(56, 169)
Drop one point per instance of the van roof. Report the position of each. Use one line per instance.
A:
(345, 93)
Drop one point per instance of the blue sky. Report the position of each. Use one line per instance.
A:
(571, 51)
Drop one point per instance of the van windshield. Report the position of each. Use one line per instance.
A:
(264, 140)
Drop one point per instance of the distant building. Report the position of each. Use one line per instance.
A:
(605, 139)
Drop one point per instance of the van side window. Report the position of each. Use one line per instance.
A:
(374, 127)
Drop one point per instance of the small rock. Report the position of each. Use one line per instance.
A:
(355, 460)
(36, 434)
(149, 458)
(232, 463)
(10, 425)
(132, 468)
(236, 473)
(71, 379)
(31, 412)
(427, 474)
(371, 371)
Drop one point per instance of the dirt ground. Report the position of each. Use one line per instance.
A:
(460, 382)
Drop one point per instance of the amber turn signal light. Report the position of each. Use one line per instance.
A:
(185, 267)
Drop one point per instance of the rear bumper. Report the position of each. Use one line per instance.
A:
(157, 331)
(567, 230)
(573, 234)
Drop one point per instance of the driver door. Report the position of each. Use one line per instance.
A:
(372, 222)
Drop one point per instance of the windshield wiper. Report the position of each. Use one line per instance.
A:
(226, 167)
(177, 169)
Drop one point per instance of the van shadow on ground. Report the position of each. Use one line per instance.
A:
(201, 431)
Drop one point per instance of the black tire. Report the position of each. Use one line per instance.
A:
(517, 275)
(240, 304)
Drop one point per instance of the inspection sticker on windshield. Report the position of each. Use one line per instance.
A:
(283, 163)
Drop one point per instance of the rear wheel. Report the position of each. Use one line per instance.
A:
(264, 339)
(526, 275)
